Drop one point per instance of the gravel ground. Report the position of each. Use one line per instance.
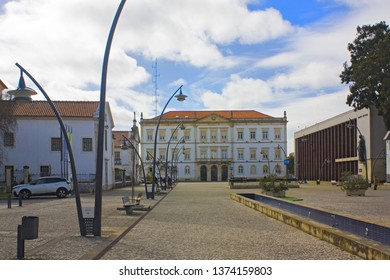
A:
(199, 221)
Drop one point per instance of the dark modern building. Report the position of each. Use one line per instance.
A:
(327, 149)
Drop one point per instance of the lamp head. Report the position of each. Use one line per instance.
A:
(181, 97)
(22, 93)
(182, 127)
(124, 146)
(350, 124)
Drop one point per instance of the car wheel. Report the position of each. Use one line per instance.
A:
(62, 193)
(25, 194)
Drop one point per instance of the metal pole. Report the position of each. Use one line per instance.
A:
(177, 160)
(167, 152)
(133, 174)
(19, 244)
(155, 143)
(142, 164)
(285, 157)
(70, 151)
(173, 153)
(102, 104)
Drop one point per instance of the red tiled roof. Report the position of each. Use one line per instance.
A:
(118, 137)
(2, 85)
(233, 114)
(67, 109)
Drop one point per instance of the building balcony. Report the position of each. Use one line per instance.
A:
(213, 160)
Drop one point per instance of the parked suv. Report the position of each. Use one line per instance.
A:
(44, 186)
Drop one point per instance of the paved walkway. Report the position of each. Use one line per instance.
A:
(199, 221)
(59, 236)
(194, 221)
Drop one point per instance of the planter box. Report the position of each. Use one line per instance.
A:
(275, 194)
(358, 192)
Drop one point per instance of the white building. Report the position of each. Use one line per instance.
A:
(127, 163)
(37, 143)
(218, 144)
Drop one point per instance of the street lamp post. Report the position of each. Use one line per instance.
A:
(181, 141)
(124, 146)
(182, 149)
(24, 94)
(285, 158)
(180, 97)
(181, 125)
(326, 161)
(100, 137)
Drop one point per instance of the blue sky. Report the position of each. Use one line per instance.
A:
(266, 55)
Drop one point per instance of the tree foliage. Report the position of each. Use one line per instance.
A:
(368, 74)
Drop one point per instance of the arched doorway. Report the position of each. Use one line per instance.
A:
(214, 173)
(225, 173)
(203, 173)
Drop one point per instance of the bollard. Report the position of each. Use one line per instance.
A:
(28, 230)
(20, 200)
(9, 201)
(20, 244)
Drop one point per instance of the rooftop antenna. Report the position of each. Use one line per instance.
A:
(155, 76)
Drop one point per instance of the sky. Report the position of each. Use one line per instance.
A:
(265, 55)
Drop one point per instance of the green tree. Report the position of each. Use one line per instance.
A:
(291, 164)
(368, 74)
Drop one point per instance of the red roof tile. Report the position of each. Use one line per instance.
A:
(117, 135)
(234, 114)
(2, 85)
(67, 109)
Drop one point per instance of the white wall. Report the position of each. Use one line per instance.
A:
(195, 144)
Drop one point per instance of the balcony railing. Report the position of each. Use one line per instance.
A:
(214, 160)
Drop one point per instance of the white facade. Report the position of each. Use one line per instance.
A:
(218, 145)
(37, 136)
(127, 163)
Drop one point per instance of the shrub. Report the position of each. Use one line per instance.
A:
(353, 182)
(271, 183)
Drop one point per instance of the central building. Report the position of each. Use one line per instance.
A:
(215, 145)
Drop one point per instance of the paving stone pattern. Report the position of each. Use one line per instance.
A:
(193, 221)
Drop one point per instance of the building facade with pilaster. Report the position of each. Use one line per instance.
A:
(215, 145)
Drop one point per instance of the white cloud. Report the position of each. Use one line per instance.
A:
(61, 43)
(239, 93)
(305, 112)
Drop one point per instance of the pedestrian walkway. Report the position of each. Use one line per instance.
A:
(199, 221)
(193, 221)
(59, 235)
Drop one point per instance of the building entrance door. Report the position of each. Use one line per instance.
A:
(225, 173)
(214, 173)
(203, 173)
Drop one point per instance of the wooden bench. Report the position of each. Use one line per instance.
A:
(333, 182)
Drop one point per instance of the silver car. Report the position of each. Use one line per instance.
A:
(44, 186)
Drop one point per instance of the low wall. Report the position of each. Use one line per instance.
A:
(356, 245)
